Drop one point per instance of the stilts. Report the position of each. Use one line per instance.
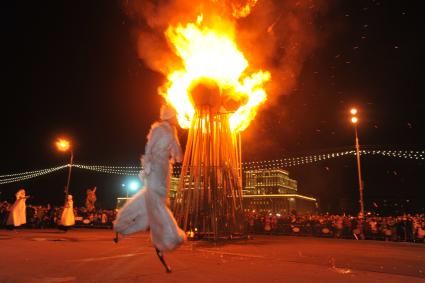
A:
(158, 252)
(116, 238)
(161, 258)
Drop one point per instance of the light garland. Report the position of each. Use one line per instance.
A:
(265, 164)
(296, 161)
(119, 170)
(5, 179)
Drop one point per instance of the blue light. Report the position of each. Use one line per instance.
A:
(134, 185)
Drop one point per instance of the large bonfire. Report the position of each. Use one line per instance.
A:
(218, 58)
(216, 97)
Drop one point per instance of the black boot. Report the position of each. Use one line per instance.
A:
(116, 239)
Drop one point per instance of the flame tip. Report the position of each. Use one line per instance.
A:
(212, 54)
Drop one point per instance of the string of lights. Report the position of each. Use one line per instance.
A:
(119, 170)
(296, 161)
(5, 179)
(24, 173)
(264, 164)
(101, 167)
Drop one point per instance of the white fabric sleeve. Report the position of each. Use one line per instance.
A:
(154, 137)
(176, 150)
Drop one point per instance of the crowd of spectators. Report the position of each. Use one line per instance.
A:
(39, 216)
(404, 228)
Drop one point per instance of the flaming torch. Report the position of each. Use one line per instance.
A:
(216, 98)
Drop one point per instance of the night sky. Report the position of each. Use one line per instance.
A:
(72, 68)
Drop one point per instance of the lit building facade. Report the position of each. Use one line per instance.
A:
(174, 184)
(264, 191)
(273, 191)
(268, 181)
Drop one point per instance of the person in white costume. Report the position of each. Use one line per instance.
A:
(68, 218)
(148, 208)
(18, 215)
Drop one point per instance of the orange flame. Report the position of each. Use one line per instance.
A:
(63, 144)
(212, 54)
(241, 11)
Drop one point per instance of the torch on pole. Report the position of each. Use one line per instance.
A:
(64, 145)
(354, 120)
(71, 162)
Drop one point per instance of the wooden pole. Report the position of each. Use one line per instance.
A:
(209, 195)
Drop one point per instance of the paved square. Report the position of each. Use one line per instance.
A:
(84, 255)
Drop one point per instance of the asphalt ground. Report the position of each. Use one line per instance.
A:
(90, 255)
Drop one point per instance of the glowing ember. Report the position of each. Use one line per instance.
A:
(240, 11)
(212, 55)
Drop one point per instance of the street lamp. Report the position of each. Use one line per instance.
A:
(126, 189)
(64, 145)
(133, 186)
(354, 121)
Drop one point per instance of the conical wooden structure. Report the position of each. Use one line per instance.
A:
(209, 196)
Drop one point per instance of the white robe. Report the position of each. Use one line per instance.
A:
(18, 213)
(68, 218)
(148, 207)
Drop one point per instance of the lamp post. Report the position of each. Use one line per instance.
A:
(133, 186)
(126, 189)
(354, 121)
(65, 145)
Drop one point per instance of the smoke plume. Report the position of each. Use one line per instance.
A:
(274, 35)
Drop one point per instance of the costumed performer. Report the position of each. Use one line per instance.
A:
(68, 218)
(18, 215)
(148, 208)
